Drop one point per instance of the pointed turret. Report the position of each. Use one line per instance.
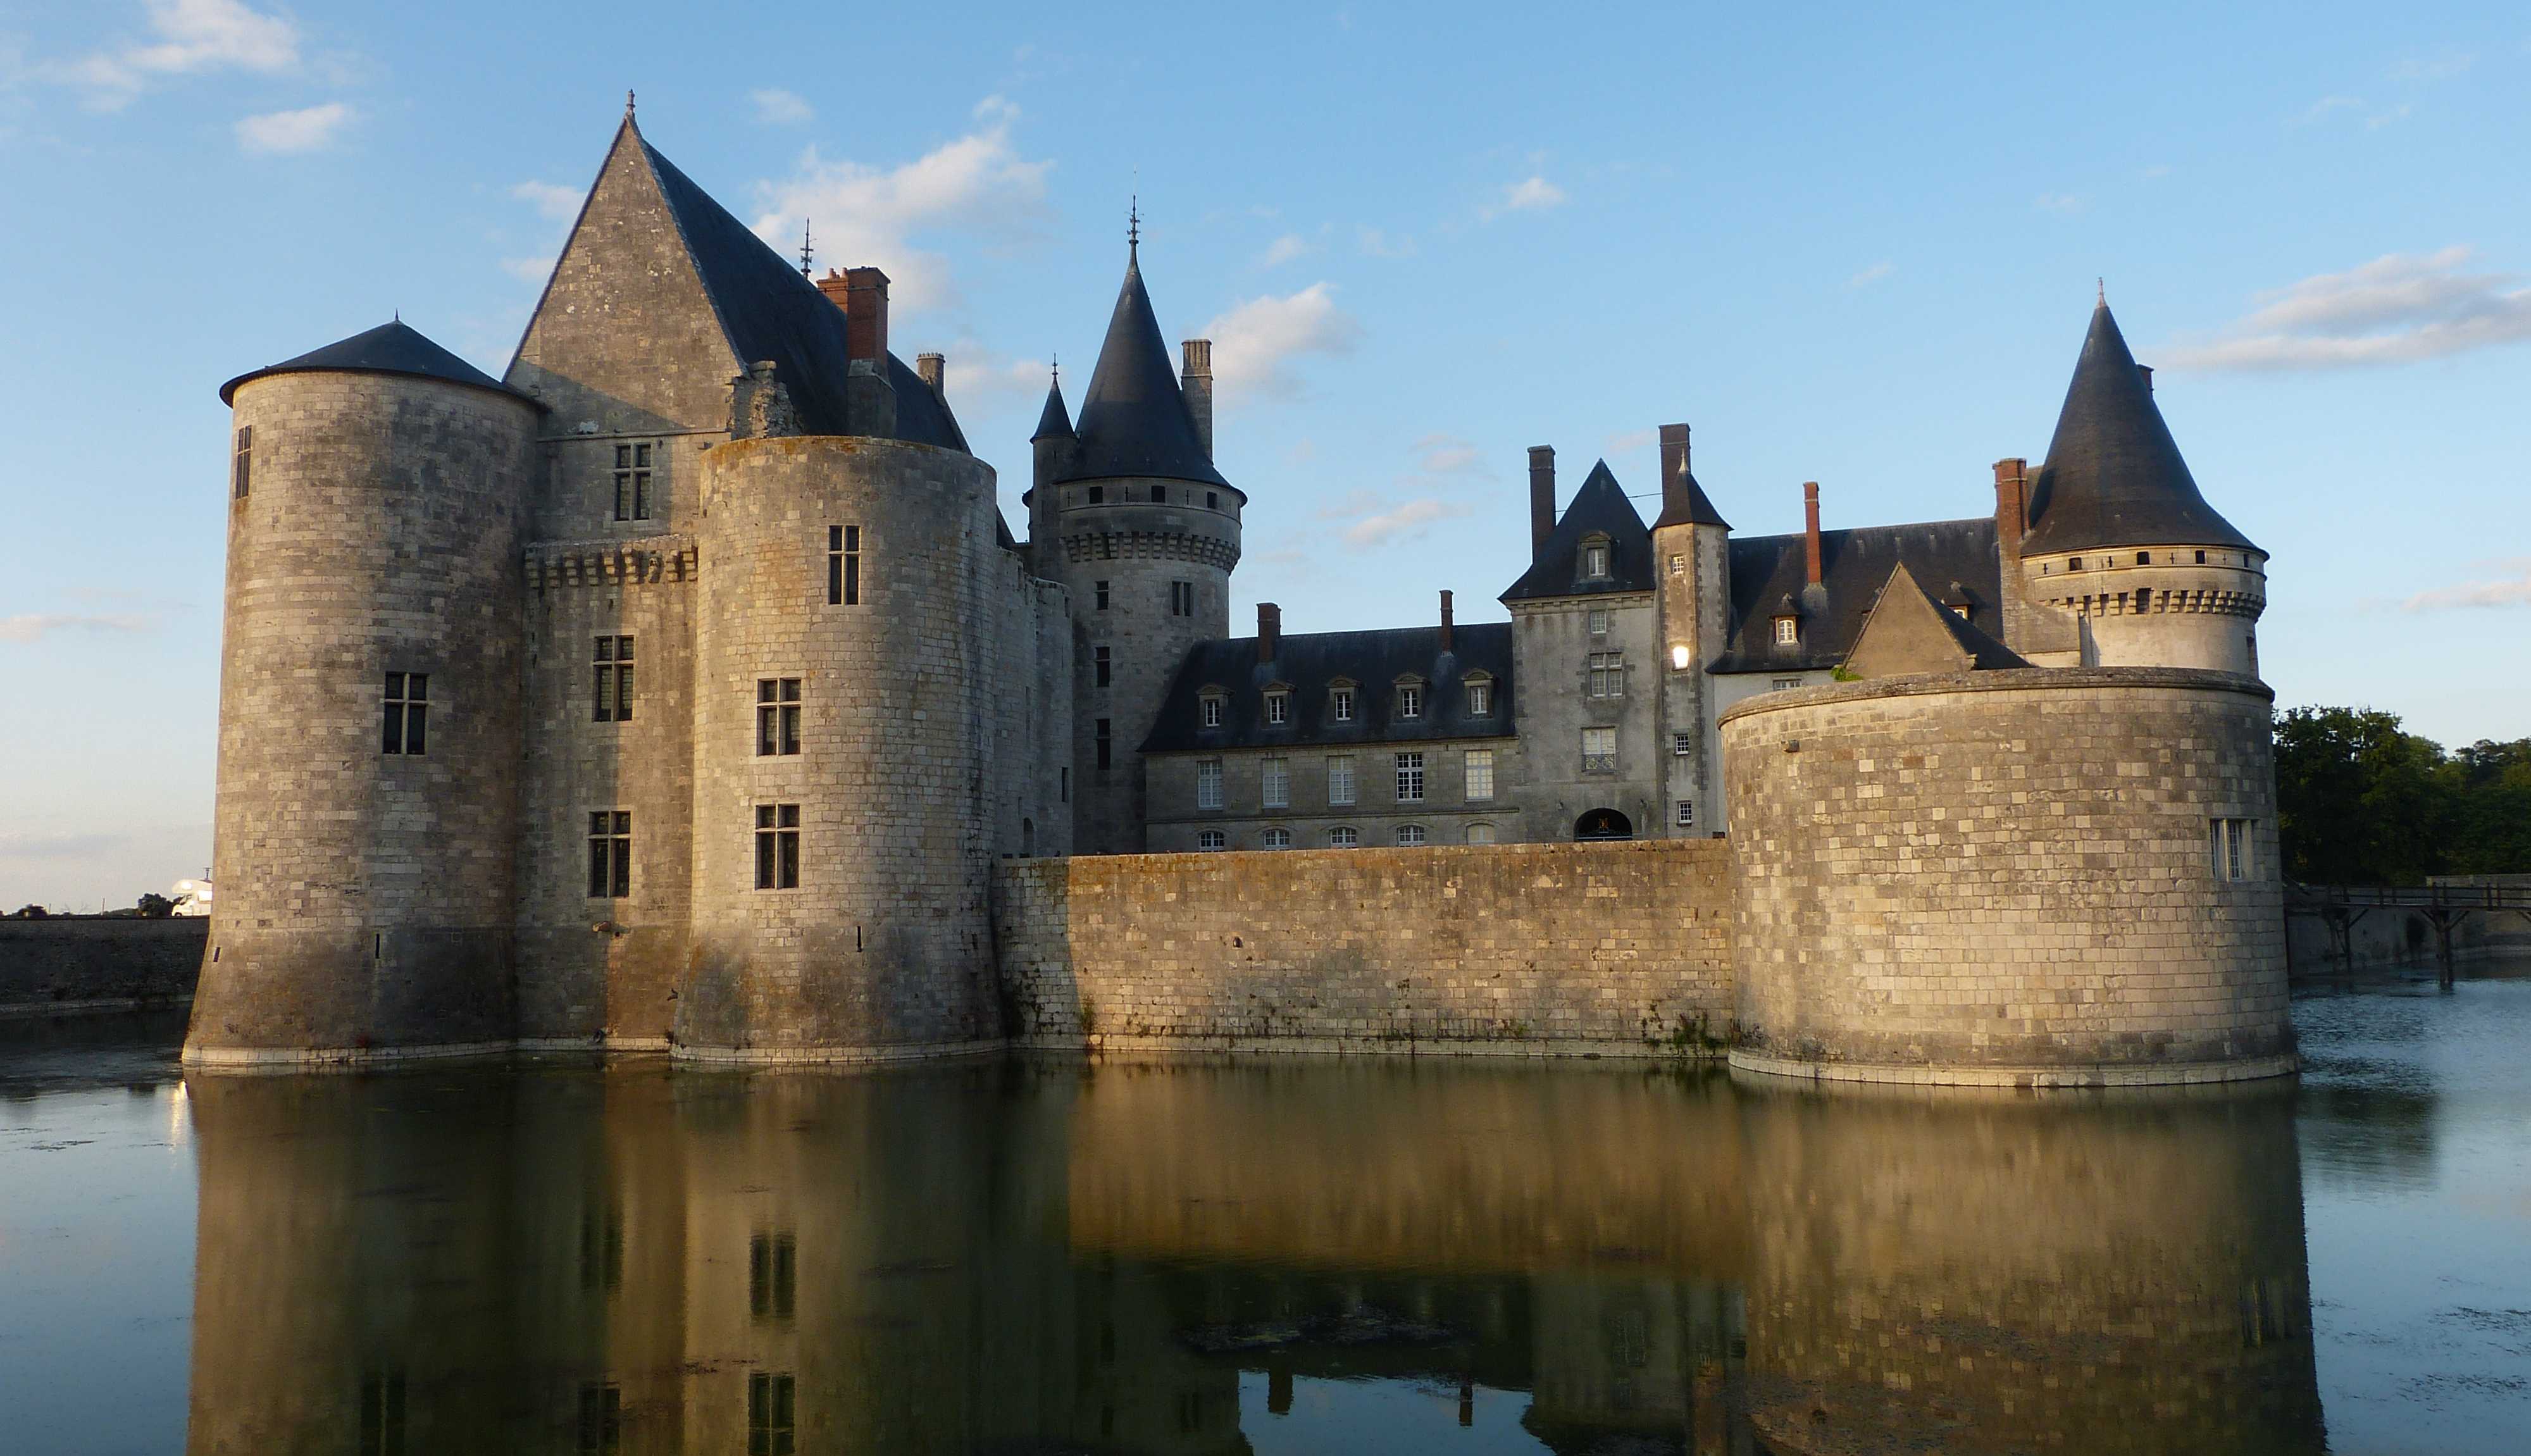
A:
(2114, 474)
(1054, 422)
(1134, 420)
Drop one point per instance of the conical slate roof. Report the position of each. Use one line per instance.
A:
(1600, 508)
(395, 347)
(1696, 509)
(1133, 421)
(2114, 475)
(1056, 421)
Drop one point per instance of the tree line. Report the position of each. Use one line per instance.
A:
(2362, 801)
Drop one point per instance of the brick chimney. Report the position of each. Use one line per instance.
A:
(861, 293)
(1810, 532)
(1542, 497)
(1195, 383)
(2011, 507)
(1674, 475)
(935, 370)
(1269, 632)
(1448, 627)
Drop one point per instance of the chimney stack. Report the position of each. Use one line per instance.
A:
(2011, 506)
(1195, 383)
(1542, 497)
(1674, 474)
(1447, 625)
(1810, 530)
(861, 293)
(1269, 632)
(2147, 371)
(935, 370)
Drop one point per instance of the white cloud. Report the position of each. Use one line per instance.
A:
(2502, 593)
(1407, 522)
(2374, 119)
(287, 132)
(863, 215)
(776, 107)
(2062, 203)
(1449, 454)
(1531, 193)
(529, 269)
(1872, 275)
(1626, 441)
(1376, 243)
(1255, 344)
(551, 199)
(2397, 308)
(1283, 249)
(188, 37)
(27, 626)
(2440, 66)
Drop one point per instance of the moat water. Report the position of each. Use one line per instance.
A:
(1270, 1255)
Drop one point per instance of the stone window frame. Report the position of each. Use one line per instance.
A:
(636, 477)
(773, 1410)
(1682, 745)
(1207, 784)
(1598, 620)
(1479, 688)
(1789, 631)
(773, 1275)
(1409, 698)
(1102, 660)
(1481, 832)
(1604, 675)
(2231, 843)
(1783, 685)
(1212, 707)
(1594, 559)
(1104, 738)
(1599, 749)
(405, 723)
(1344, 700)
(1275, 838)
(242, 466)
(1678, 563)
(777, 845)
(1341, 779)
(1212, 840)
(611, 854)
(1278, 705)
(1095, 495)
(1181, 598)
(1101, 594)
(1685, 817)
(1274, 782)
(1412, 836)
(778, 716)
(1477, 775)
(1344, 836)
(843, 566)
(610, 672)
(1410, 776)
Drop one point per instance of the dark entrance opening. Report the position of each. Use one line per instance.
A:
(1603, 823)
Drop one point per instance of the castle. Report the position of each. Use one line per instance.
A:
(686, 688)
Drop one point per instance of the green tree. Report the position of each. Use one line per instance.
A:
(155, 907)
(2359, 801)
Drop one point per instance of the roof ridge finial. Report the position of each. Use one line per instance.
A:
(806, 253)
(628, 104)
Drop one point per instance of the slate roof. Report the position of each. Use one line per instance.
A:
(1690, 507)
(1055, 422)
(1134, 420)
(1768, 576)
(1599, 506)
(1308, 663)
(2114, 474)
(1908, 622)
(389, 349)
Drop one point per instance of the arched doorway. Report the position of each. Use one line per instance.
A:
(1603, 823)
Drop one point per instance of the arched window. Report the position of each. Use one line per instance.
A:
(1481, 834)
(1603, 823)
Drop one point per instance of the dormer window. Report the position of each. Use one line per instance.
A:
(1278, 707)
(1340, 701)
(1481, 695)
(1788, 632)
(1410, 699)
(1594, 559)
(1212, 707)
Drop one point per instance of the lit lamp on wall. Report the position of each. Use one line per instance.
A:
(1678, 657)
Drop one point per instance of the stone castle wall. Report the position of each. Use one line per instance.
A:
(1539, 949)
(105, 963)
(2006, 876)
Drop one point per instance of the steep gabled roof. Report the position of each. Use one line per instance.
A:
(1908, 632)
(1600, 508)
(1054, 422)
(1770, 576)
(1134, 420)
(1307, 663)
(2114, 474)
(395, 347)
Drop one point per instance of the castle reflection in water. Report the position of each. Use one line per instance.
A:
(1034, 1257)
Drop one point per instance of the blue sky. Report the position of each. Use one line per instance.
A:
(1854, 247)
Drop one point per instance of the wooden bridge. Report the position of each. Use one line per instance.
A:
(2340, 907)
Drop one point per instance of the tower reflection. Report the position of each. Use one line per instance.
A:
(1152, 1259)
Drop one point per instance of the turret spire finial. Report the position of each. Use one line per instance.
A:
(1055, 368)
(628, 104)
(2102, 297)
(806, 253)
(1134, 224)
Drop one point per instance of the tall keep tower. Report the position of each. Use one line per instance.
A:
(1691, 555)
(1127, 511)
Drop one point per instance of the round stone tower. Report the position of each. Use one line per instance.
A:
(370, 717)
(2119, 537)
(842, 817)
(1128, 512)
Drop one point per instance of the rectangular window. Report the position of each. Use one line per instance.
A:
(1104, 662)
(601, 1418)
(1212, 839)
(1598, 621)
(241, 470)
(1102, 596)
(1785, 685)
(843, 566)
(777, 845)
(1599, 751)
(1181, 598)
(1481, 774)
(1212, 500)
(1098, 494)
(1481, 834)
(612, 681)
(1278, 707)
(1677, 564)
(773, 1275)
(1410, 700)
(1409, 835)
(769, 1432)
(382, 1414)
(1594, 561)
(1212, 706)
(1276, 839)
(1343, 836)
(1687, 814)
(1107, 739)
(611, 854)
(1340, 782)
(2230, 839)
(633, 482)
(1207, 784)
(1275, 776)
(1481, 700)
(1340, 704)
(1681, 745)
(1159, 495)
(408, 712)
(1607, 675)
(1410, 778)
(777, 716)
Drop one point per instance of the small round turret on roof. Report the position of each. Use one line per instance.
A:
(392, 348)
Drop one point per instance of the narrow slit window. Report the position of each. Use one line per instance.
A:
(773, 1275)
(777, 845)
(241, 471)
(611, 854)
(1101, 595)
(2230, 845)
(1181, 598)
(408, 713)
(777, 716)
(1103, 660)
(1107, 739)
(612, 681)
(843, 566)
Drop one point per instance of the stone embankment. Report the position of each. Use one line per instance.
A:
(67, 964)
